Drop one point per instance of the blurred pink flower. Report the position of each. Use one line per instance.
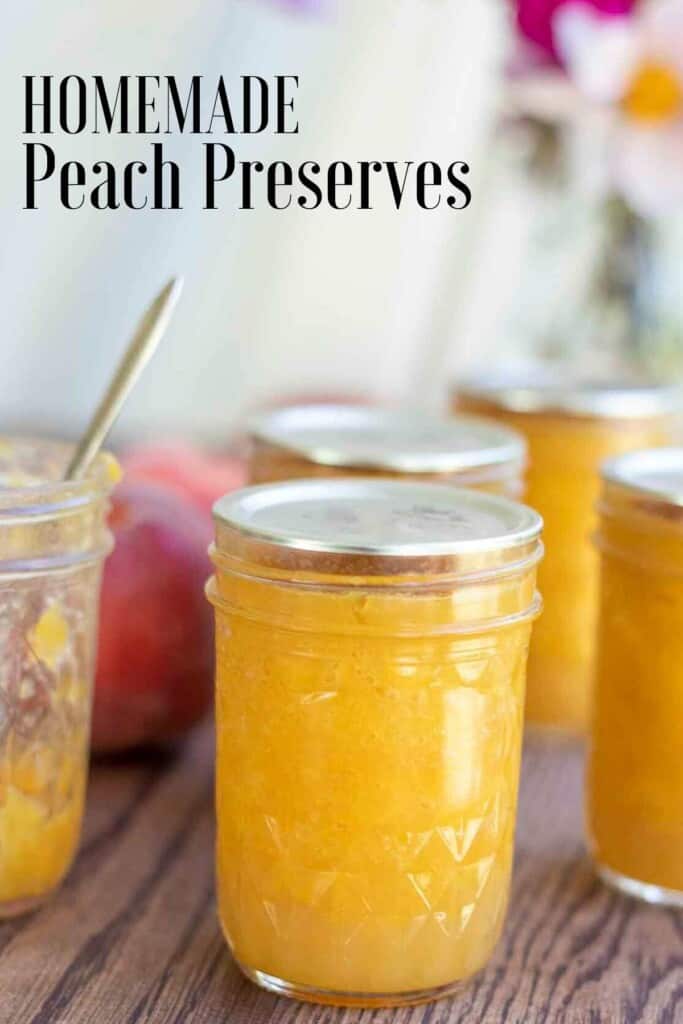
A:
(632, 70)
(621, 84)
(535, 18)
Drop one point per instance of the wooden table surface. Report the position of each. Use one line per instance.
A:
(133, 938)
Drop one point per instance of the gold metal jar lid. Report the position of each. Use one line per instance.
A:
(542, 390)
(399, 441)
(641, 510)
(375, 527)
(655, 474)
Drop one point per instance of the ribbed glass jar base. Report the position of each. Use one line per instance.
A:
(307, 994)
(645, 891)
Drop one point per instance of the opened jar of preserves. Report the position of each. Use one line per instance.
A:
(571, 428)
(348, 440)
(372, 642)
(635, 777)
(53, 540)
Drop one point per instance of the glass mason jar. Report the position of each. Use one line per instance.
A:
(53, 539)
(570, 430)
(635, 778)
(372, 641)
(347, 440)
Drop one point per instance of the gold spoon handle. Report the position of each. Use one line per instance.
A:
(150, 331)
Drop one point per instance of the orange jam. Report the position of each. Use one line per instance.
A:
(372, 641)
(635, 786)
(52, 540)
(41, 807)
(346, 440)
(570, 433)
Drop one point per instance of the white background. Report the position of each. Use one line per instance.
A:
(275, 303)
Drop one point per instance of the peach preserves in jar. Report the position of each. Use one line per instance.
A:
(53, 539)
(347, 440)
(635, 779)
(372, 640)
(570, 429)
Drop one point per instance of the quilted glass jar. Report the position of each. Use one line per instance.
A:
(570, 429)
(347, 440)
(53, 539)
(372, 642)
(635, 778)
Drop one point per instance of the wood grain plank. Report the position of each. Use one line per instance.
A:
(132, 938)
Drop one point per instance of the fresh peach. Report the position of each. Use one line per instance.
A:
(181, 466)
(155, 666)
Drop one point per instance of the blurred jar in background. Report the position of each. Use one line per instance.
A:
(342, 440)
(53, 539)
(371, 647)
(635, 782)
(571, 428)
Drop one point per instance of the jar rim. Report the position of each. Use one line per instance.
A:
(399, 440)
(543, 391)
(526, 613)
(37, 490)
(654, 473)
